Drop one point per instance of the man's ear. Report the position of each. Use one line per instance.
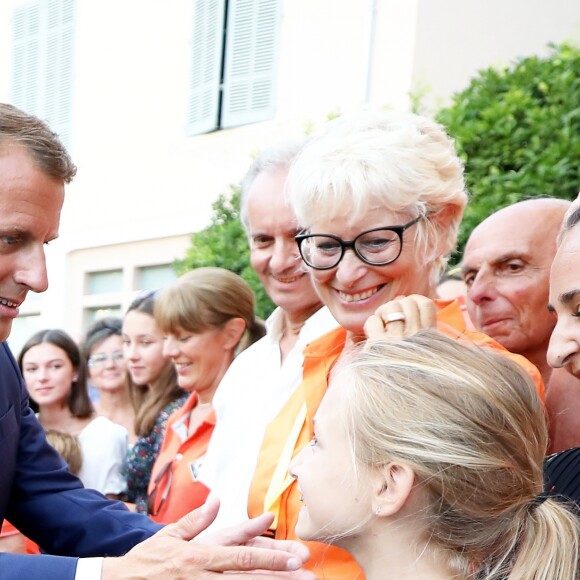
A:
(234, 329)
(393, 484)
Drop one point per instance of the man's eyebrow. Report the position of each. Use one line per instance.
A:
(13, 231)
(502, 258)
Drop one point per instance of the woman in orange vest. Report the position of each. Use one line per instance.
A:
(426, 462)
(380, 196)
(207, 316)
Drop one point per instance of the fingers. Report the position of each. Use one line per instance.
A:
(240, 534)
(291, 546)
(194, 522)
(402, 317)
(374, 327)
(298, 575)
(247, 558)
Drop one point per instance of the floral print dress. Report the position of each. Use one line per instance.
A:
(142, 455)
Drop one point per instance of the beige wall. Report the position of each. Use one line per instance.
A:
(455, 39)
(128, 257)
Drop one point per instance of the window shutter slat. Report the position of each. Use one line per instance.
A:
(42, 76)
(251, 58)
(206, 59)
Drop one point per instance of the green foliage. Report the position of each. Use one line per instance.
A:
(224, 243)
(518, 131)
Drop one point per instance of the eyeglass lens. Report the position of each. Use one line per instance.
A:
(375, 247)
(102, 358)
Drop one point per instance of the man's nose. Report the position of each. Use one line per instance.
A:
(31, 270)
(563, 345)
(483, 287)
(285, 256)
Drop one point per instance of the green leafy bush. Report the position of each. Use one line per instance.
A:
(518, 131)
(224, 243)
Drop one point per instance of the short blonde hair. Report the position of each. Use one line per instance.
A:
(383, 159)
(208, 298)
(472, 426)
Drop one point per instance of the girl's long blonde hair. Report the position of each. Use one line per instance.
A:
(471, 424)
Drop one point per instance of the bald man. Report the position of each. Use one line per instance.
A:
(506, 267)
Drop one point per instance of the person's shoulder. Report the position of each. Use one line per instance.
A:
(562, 475)
(7, 359)
(329, 343)
(171, 407)
(104, 427)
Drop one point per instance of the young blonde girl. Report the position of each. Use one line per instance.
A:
(427, 463)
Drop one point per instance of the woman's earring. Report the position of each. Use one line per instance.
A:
(378, 510)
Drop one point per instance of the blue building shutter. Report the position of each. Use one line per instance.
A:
(42, 66)
(250, 62)
(206, 64)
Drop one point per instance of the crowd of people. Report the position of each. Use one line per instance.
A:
(376, 426)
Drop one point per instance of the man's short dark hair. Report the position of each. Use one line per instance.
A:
(18, 128)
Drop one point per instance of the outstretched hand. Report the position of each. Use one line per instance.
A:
(170, 553)
(401, 317)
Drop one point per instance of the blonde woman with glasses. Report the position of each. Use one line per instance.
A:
(379, 196)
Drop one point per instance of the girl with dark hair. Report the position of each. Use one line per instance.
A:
(154, 372)
(55, 376)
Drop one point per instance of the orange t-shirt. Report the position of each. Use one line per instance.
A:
(173, 489)
(274, 490)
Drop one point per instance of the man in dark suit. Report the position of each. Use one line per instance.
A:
(37, 493)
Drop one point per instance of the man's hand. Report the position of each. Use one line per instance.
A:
(401, 317)
(170, 554)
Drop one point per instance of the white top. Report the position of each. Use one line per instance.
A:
(252, 392)
(103, 447)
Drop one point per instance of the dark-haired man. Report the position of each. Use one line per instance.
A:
(37, 493)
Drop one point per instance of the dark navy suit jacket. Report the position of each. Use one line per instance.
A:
(48, 504)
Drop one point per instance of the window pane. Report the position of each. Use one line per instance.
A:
(92, 314)
(152, 277)
(105, 282)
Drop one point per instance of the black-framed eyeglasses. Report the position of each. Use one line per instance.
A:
(376, 247)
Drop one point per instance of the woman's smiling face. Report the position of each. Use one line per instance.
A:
(353, 290)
